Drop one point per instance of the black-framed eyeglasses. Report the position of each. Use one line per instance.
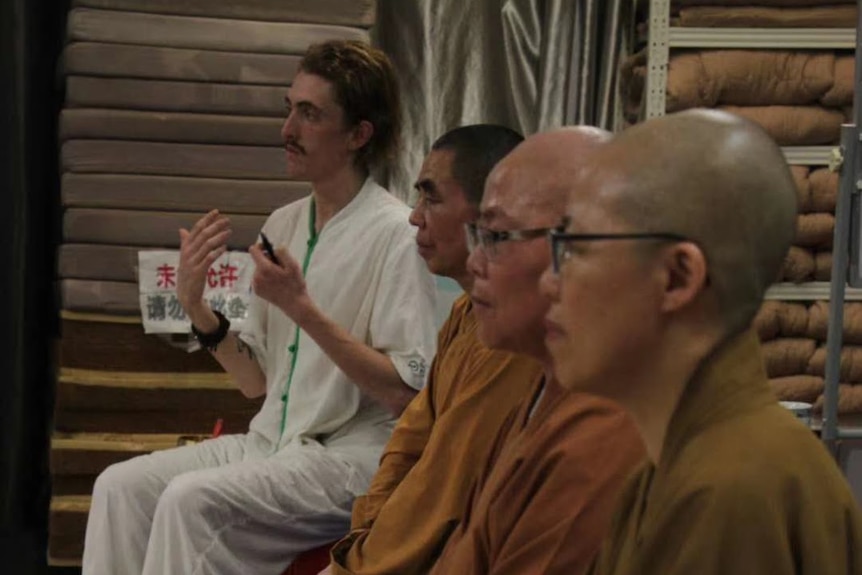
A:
(488, 240)
(561, 242)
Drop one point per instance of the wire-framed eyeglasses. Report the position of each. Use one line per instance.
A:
(562, 242)
(489, 240)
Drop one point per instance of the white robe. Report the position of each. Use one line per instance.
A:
(250, 503)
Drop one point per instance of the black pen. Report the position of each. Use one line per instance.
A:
(268, 249)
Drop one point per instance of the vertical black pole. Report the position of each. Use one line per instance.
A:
(31, 33)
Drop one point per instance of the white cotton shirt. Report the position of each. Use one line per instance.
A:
(365, 274)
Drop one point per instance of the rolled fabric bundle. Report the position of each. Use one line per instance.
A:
(841, 93)
(155, 62)
(818, 316)
(849, 400)
(776, 3)
(204, 33)
(748, 78)
(805, 388)
(803, 188)
(814, 230)
(794, 125)
(766, 323)
(823, 266)
(851, 363)
(798, 265)
(792, 319)
(633, 75)
(346, 12)
(768, 17)
(824, 190)
(787, 356)
(778, 318)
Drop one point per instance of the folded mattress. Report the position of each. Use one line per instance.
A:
(795, 125)
(119, 298)
(767, 17)
(169, 159)
(345, 12)
(112, 124)
(170, 193)
(195, 65)
(174, 96)
(98, 262)
(773, 3)
(87, 25)
(148, 229)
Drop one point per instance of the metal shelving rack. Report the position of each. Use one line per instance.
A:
(662, 38)
(808, 292)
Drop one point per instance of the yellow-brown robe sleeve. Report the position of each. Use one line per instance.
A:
(410, 435)
(435, 456)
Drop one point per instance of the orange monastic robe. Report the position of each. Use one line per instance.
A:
(438, 448)
(742, 487)
(549, 497)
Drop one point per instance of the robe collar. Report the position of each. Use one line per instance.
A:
(730, 381)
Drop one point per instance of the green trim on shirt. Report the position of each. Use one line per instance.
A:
(294, 348)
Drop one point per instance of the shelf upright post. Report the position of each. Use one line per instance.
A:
(849, 187)
(658, 56)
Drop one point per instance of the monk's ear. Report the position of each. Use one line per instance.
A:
(685, 275)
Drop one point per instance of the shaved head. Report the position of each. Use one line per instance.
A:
(527, 190)
(716, 179)
(533, 180)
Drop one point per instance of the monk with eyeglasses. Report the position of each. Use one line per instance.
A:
(544, 499)
(674, 234)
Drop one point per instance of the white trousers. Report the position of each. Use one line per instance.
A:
(216, 508)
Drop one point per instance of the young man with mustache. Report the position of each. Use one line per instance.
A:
(339, 337)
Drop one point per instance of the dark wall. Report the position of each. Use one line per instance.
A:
(31, 33)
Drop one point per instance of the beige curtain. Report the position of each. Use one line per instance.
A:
(527, 64)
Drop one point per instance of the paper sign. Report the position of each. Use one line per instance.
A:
(228, 290)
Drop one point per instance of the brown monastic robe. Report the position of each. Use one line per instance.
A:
(436, 452)
(547, 500)
(741, 487)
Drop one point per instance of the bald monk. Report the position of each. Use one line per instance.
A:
(544, 500)
(674, 234)
(420, 491)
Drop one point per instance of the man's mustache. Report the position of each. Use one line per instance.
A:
(294, 144)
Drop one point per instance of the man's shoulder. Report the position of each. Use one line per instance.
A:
(387, 206)
(290, 212)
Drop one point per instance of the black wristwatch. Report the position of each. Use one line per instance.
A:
(210, 341)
